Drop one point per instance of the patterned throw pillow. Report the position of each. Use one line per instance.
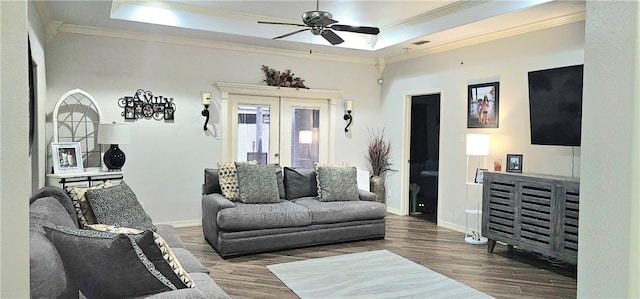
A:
(257, 183)
(110, 265)
(118, 206)
(167, 253)
(228, 178)
(338, 183)
(315, 167)
(81, 205)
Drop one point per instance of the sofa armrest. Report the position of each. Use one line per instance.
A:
(212, 204)
(366, 195)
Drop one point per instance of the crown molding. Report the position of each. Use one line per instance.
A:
(433, 14)
(172, 39)
(550, 23)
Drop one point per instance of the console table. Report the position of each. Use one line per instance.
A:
(533, 212)
(84, 179)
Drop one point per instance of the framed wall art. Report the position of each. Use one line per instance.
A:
(514, 163)
(482, 105)
(67, 157)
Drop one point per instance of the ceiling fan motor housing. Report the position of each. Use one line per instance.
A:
(316, 18)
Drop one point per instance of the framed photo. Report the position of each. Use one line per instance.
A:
(514, 163)
(67, 157)
(479, 173)
(497, 165)
(482, 105)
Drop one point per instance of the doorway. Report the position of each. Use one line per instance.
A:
(424, 156)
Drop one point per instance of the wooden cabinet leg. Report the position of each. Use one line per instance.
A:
(490, 245)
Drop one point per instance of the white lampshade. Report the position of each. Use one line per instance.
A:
(477, 144)
(305, 137)
(114, 134)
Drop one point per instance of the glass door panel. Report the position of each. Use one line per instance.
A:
(253, 133)
(305, 129)
(305, 132)
(255, 129)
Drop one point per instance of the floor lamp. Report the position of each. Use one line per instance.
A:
(478, 146)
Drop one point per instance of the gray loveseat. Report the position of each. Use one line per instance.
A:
(299, 219)
(50, 277)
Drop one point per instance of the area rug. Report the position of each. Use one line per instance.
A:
(371, 274)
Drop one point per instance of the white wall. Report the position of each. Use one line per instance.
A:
(608, 254)
(15, 171)
(165, 161)
(507, 61)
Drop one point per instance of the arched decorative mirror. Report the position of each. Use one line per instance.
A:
(76, 118)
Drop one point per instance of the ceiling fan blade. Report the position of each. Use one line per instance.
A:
(278, 23)
(331, 37)
(291, 33)
(356, 29)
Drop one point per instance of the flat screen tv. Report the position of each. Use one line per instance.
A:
(555, 106)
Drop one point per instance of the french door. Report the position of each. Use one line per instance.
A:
(288, 131)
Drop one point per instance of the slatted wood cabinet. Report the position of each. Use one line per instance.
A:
(533, 212)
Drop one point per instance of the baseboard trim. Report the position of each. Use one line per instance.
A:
(184, 223)
(451, 226)
(395, 211)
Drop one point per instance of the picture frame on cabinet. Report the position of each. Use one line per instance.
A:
(479, 174)
(67, 157)
(482, 105)
(514, 163)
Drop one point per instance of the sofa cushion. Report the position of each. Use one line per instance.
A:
(168, 254)
(118, 206)
(47, 275)
(61, 196)
(170, 235)
(257, 183)
(228, 179)
(110, 265)
(316, 165)
(337, 183)
(48, 212)
(342, 211)
(300, 182)
(81, 205)
(263, 216)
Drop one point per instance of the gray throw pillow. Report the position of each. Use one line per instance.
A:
(300, 182)
(111, 265)
(118, 206)
(257, 183)
(338, 183)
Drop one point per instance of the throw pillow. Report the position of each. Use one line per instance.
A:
(338, 183)
(315, 167)
(300, 182)
(228, 179)
(167, 252)
(257, 183)
(81, 205)
(109, 265)
(118, 206)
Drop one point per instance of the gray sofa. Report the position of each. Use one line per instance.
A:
(51, 207)
(233, 228)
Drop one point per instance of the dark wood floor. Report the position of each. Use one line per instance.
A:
(502, 274)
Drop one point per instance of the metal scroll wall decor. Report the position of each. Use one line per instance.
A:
(143, 104)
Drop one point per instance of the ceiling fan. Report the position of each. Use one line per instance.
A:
(321, 23)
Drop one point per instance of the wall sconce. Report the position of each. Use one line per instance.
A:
(206, 101)
(114, 134)
(348, 107)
